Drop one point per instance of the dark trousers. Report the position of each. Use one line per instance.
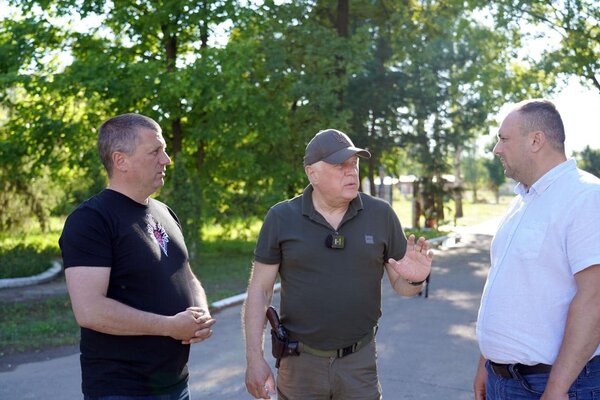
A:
(181, 394)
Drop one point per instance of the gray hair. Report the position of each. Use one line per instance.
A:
(542, 115)
(120, 133)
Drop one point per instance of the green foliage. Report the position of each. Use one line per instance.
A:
(224, 266)
(589, 160)
(27, 255)
(577, 25)
(237, 114)
(43, 141)
(453, 66)
(495, 171)
(474, 171)
(187, 203)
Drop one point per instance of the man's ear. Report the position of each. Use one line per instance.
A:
(311, 173)
(538, 140)
(119, 161)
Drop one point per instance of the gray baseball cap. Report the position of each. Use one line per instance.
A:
(333, 147)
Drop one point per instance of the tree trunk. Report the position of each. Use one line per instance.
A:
(170, 46)
(458, 182)
(343, 16)
(416, 205)
(176, 136)
(341, 25)
(372, 189)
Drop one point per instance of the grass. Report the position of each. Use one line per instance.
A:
(36, 325)
(484, 209)
(223, 266)
(475, 212)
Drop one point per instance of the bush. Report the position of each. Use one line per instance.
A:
(27, 255)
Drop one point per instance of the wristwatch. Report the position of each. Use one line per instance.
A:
(418, 283)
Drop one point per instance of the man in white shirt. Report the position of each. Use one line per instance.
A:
(539, 320)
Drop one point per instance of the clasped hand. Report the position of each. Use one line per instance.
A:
(192, 325)
(415, 266)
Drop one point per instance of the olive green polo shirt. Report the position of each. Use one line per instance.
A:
(330, 298)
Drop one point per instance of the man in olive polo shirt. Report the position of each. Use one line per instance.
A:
(330, 247)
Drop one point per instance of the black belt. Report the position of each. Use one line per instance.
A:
(506, 370)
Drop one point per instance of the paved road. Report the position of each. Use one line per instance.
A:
(427, 347)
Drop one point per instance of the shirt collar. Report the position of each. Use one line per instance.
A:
(547, 179)
(308, 208)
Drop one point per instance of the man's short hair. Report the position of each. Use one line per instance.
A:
(542, 115)
(120, 133)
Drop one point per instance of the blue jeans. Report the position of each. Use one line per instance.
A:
(182, 394)
(526, 387)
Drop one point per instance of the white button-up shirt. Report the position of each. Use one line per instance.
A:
(549, 233)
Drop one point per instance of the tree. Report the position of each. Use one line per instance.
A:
(495, 171)
(475, 173)
(577, 24)
(458, 72)
(376, 90)
(589, 160)
(37, 169)
(237, 115)
(160, 64)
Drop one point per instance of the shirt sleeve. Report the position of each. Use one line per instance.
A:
(583, 233)
(396, 247)
(268, 249)
(86, 240)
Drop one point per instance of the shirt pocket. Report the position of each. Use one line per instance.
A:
(529, 240)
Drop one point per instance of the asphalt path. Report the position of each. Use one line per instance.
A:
(426, 346)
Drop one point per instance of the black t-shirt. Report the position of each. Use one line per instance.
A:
(144, 247)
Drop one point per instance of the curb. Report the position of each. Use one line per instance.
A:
(46, 276)
(234, 300)
(445, 241)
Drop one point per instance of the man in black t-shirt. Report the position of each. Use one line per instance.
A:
(133, 293)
